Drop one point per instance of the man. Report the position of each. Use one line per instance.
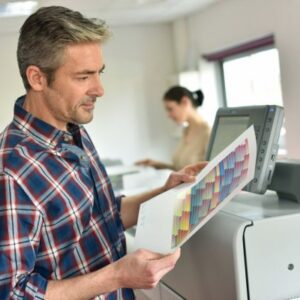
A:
(62, 229)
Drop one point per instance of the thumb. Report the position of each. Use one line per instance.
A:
(149, 255)
(166, 261)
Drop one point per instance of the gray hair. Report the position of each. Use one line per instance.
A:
(46, 33)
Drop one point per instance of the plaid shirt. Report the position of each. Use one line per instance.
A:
(59, 217)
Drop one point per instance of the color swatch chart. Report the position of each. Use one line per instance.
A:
(196, 203)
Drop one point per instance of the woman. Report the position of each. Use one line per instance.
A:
(181, 106)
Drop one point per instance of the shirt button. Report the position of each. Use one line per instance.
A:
(67, 138)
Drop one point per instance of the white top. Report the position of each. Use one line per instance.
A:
(192, 147)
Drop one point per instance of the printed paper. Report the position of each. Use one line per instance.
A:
(168, 220)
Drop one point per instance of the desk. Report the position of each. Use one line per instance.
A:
(131, 180)
(249, 250)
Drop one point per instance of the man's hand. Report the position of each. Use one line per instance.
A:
(137, 270)
(187, 174)
(143, 269)
(131, 205)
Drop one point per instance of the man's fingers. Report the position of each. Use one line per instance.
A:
(196, 168)
(163, 272)
(199, 166)
(166, 261)
(149, 255)
(186, 178)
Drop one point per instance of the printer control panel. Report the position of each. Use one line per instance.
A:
(267, 121)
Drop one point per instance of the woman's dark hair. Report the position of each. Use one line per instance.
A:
(176, 93)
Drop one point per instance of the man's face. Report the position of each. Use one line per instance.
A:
(72, 95)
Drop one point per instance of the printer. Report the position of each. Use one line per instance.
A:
(251, 249)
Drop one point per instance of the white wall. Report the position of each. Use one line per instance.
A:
(231, 22)
(11, 83)
(130, 121)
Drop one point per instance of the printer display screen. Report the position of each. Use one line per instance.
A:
(229, 128)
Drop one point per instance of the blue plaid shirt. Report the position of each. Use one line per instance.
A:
(59, 217)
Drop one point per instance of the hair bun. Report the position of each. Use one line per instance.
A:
(198, 97)
(176, 93)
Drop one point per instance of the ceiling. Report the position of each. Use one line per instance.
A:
(127, 12)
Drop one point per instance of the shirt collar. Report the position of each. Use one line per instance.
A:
(40, 130)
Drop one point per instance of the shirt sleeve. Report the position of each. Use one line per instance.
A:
(119, 202)
(21, 225)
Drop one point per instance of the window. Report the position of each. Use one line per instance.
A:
(254, 79)
(250, 75)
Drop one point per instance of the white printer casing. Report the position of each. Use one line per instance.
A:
(250, 250)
